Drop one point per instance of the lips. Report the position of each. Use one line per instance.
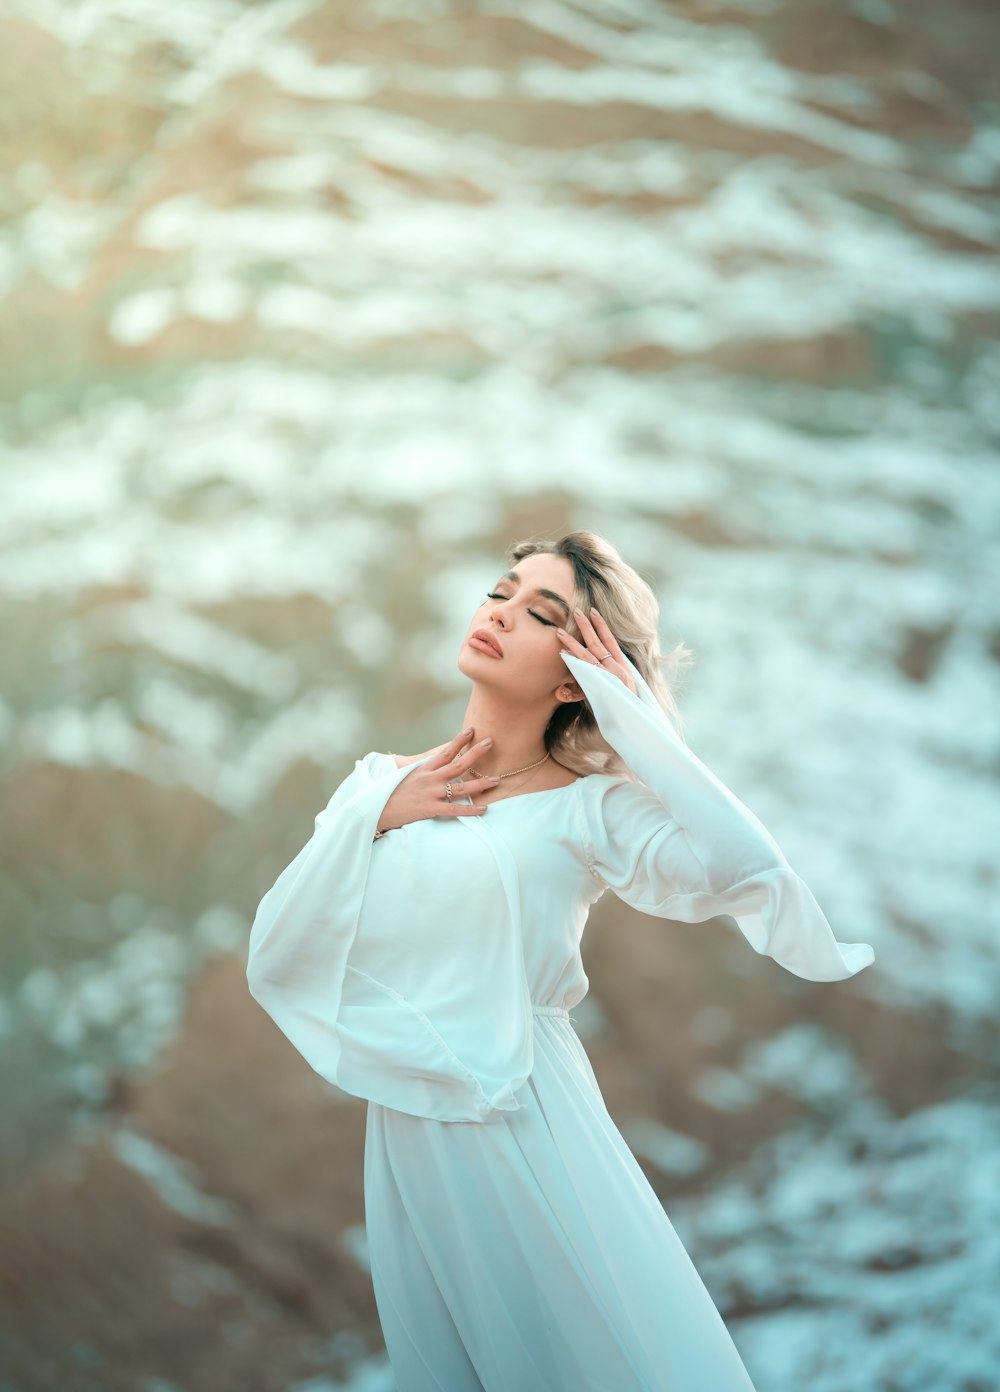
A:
(486, 637)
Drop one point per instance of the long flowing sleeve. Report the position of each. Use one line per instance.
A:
(304, 926)
(679, 844)
(352, 956)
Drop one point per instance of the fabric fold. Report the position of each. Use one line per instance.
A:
(401, 1013)
(701, 852)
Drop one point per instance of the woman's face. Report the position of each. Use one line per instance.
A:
(523, 621)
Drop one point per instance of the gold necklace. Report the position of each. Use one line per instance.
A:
(476, 774)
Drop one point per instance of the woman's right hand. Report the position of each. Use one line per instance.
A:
(421, 794)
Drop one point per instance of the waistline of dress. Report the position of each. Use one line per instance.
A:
(550, 1010)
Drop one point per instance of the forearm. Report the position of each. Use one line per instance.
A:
(722, 832)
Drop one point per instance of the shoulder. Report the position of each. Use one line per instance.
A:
(401, 760)
(615, 805)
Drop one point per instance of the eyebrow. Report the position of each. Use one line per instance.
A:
(548, 594)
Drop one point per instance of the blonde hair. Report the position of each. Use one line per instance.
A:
(629, 606)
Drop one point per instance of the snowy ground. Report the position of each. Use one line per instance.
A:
(313, 313)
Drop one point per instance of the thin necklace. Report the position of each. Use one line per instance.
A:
(476, 774)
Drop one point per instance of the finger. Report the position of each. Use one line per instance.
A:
(607, 637)
(456, 770)
(450, 749)
(599, 646)
(614, 648)
(594, 644)
(460, 810)
(574, 647)
(465, 758)
(604, 643)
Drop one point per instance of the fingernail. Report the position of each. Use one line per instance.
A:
(562, 631)
(468, 731)
(486, 741)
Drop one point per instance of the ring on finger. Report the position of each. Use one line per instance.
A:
(447, 791)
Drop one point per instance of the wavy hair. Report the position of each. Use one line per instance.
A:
(626, 601)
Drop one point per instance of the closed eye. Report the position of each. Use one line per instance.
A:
(549, 623)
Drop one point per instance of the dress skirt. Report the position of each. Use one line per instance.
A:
(530, 1253)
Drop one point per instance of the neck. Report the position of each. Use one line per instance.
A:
(518, 734)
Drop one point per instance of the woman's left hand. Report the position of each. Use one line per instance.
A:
(599, 640)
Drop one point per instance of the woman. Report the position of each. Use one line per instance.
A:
(423, 951)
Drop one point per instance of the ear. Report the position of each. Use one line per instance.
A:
(569, 691)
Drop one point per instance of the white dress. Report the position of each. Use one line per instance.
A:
(515, 1243)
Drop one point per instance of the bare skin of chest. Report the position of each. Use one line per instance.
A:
(549, 776)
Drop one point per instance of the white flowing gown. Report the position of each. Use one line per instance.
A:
(515, 1243)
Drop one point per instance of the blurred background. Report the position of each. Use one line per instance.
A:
(309, 310)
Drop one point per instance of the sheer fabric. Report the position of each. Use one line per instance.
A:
(514, 1240)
